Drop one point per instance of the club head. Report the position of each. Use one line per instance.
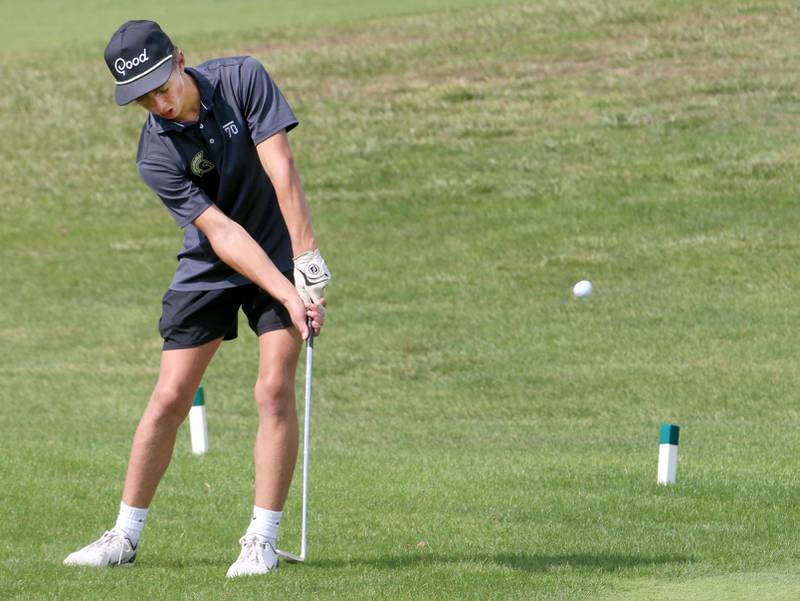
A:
(290, 557)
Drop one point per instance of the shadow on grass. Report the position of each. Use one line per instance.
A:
(601, 562)
(194, 562)
(518, 561)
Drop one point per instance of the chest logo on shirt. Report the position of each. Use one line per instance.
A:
(200, 165)
(231, 129)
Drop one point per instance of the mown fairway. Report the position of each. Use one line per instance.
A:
(478, 433)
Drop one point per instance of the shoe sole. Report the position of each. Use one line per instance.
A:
(274, 569)
(126, 564)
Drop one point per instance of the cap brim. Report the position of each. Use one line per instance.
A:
(127, 93)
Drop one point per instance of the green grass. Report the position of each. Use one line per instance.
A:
(478, 433)
(51, 25)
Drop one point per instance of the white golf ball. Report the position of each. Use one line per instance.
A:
(582, 289)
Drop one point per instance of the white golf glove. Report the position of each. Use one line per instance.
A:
(311, 277)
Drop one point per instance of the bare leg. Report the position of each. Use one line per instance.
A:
(180, 375)
(276, 441)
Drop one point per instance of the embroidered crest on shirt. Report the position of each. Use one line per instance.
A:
(200, 165)
(231, 128)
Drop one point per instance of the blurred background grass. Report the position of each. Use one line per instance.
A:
(478, 433)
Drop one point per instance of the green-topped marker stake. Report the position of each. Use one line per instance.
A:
(198, 429)
(668, 454)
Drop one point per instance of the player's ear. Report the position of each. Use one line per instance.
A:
(180, 60)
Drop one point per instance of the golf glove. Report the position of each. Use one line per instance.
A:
(311, 277)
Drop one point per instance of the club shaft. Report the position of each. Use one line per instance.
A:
(306, 444)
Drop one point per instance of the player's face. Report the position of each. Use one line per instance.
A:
(168, 100)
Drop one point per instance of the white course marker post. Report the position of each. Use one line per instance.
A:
(668, 454)
(198, 429)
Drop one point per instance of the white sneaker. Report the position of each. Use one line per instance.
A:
(111, 549)
(258, 556)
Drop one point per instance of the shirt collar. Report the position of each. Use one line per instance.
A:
(207, 90)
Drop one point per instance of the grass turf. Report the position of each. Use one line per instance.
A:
(477, 432)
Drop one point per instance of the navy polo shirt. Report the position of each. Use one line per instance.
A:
(191, 166)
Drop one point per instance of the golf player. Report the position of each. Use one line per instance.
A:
(214, 148)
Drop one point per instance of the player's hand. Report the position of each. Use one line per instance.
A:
(316, 315)
(311, 277)
(297, 312)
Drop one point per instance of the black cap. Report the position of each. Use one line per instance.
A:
(139, 56)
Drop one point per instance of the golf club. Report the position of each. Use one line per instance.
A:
(291, 557)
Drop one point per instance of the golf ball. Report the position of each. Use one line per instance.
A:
(582, 288)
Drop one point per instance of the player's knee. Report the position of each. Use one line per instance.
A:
(274, 398)
(170, 403)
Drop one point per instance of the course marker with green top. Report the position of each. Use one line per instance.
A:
(198, 429)
(668, 453)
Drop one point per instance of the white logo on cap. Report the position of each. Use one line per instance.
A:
(120, 65)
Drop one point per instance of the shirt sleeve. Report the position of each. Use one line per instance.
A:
(183, 199)
(263, 105)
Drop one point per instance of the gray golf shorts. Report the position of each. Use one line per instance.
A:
(190, 319)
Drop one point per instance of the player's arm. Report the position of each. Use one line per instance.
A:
(237, 249)
(276, 158)
(311, 274)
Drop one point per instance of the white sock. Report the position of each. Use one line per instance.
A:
(265, 523)
(131, 521)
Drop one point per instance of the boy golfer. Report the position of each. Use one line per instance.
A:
(214, 148)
